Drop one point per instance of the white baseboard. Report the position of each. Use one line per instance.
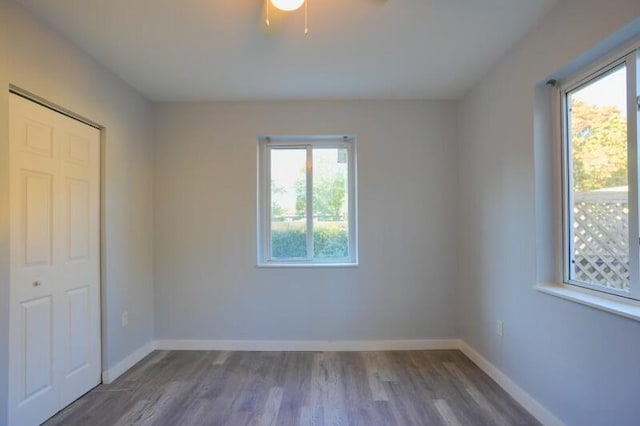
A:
(536, 409)
(308, 345)
(120, 368)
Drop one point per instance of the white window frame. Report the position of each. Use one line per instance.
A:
(265, 145)
(630, 57)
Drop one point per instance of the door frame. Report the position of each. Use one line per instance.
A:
(13, 89)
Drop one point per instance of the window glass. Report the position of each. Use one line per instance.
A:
(288, 203)
(330, 203)
(599, 181)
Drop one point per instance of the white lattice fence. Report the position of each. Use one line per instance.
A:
(601, 242)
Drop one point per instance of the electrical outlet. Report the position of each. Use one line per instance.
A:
(499, 328)
(125, 318)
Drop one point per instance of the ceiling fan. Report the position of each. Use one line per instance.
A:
(292, 5)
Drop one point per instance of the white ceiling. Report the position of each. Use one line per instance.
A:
(363, 49)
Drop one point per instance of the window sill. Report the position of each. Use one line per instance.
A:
(616, 305)
(307, 265)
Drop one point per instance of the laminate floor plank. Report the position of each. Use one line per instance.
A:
(294, 381)
(447, 413)
(412, 394)
(202, 388)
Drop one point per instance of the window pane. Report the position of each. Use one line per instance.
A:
(330, 198)
(600, 183)
(288, 203)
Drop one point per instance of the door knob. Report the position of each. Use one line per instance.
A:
(37, 283)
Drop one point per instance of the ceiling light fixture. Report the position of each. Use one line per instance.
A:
(289, 6)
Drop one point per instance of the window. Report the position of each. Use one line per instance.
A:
(600, 168)
(307, 201)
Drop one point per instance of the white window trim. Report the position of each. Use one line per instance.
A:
(618, 303)
(629, 59)
(308, 142)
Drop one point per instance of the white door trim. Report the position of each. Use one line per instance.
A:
(55, 107)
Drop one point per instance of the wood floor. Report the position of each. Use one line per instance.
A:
(299, 388)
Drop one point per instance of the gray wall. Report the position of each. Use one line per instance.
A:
(207, 282)
(579, 362)
(40, 61)
(4, 220)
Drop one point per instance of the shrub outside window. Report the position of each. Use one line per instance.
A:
(307, 211)
(600, 168)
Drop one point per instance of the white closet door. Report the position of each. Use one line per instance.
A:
(55, 269)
